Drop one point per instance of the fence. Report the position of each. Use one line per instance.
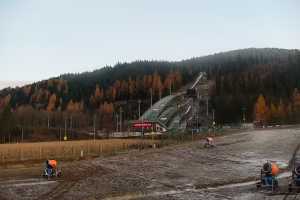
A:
(81, 149)
(69, 150)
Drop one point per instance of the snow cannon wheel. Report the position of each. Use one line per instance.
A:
(297, 170)
(258, 185)
(290, 187)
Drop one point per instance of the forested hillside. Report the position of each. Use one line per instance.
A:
(243, 76)
(80, 100)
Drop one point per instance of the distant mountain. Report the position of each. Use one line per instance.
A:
(12, 84)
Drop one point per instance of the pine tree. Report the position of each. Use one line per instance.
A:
(7, 122)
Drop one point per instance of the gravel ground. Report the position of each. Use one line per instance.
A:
(186, 171)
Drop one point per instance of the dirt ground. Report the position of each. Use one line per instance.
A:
(186, 171)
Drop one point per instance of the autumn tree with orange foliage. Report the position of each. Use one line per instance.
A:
(4, 101)
(75, 106)
(296, 104)
(97, 97)
(52, 103)
(131, 88)
(157, 85)
(273, 113)
(106, 111)
(261, 109)
(282, 111)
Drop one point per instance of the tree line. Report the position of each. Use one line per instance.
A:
(79, 101)
(57, 103)
(268, 112)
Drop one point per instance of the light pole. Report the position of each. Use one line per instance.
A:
(121, 119)
(59, 134)
(143, 127)
(48, 121)
(213, 115)
(71, 126)
(117, 116)
(65, 137)
(244, 115)
(139, 101)
(160, 94)
(94, 127)
(151, 96)
(22, 134)
(207, 106)
(214, 123)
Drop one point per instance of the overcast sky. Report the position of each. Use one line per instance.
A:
(41, 39)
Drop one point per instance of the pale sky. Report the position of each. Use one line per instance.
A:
(41, 39)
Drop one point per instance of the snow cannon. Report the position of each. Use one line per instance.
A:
(51, 169)
(268, 176)
(295, 182)
(270, 169)
(209, 142)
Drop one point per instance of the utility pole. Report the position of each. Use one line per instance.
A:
(170, 88)
(139, 101)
